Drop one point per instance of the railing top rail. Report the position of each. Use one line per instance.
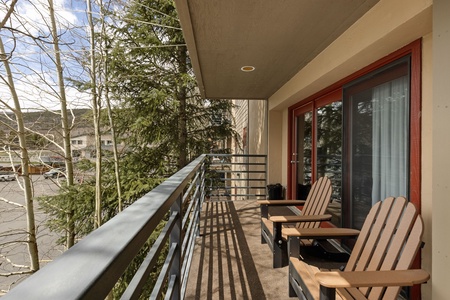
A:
(236, 155)
(77, 273)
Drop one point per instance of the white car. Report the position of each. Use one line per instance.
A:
(7, 176)
(55, 173)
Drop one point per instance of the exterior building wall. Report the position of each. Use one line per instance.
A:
(83, 146)
(388, 26)
(440, 149)
(251, 125)
(427, 129)
(240, 114)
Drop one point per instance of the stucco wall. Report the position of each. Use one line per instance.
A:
(440, 187)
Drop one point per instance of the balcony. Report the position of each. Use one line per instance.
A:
(210, 240)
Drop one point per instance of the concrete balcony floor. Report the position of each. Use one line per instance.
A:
(229, 260)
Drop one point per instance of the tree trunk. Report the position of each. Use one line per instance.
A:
(96, 113)
(114, 142)
(28, 191)
(70, 239)
(182, 98)
(110, 116)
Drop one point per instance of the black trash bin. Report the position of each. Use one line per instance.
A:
(275, 191)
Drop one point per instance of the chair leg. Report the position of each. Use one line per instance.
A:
(292, 292)
(279, 247)
(327, 293)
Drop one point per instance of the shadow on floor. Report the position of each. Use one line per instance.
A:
(229, 260)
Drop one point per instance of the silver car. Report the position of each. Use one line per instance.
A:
(7, 176)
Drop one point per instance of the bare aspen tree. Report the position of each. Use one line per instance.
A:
(27, 184)
(109, 109)
(64, 118)
(8, 13)
(96, 116)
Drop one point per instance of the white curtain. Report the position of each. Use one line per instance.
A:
(390, 139)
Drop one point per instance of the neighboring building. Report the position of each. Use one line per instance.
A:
(83, 146)
(355, 90)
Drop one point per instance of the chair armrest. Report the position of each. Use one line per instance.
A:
(281, 202)
(321, 233)
(337, 279)
(295, 219)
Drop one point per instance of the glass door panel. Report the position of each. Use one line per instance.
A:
(301, 159)
(329, 153)
(377, 140)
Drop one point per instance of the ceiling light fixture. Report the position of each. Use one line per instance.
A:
(248, 69)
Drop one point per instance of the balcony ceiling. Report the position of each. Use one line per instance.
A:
(278, 38)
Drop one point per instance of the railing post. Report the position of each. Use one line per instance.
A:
(176, 238)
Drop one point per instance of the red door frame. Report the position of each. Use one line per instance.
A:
(335, 90)
(415, 50)
(295, 111)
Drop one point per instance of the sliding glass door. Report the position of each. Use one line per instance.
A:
(301, 156)
(376, 139)
(316, 147)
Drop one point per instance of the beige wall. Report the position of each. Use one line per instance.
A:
(390, 25)
(240, 113)
(276, 160)
(257, 134)
(440, 189)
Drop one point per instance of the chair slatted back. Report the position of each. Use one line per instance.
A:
(389, 240)
(317, 201)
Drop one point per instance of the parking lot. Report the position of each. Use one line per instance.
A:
(13, 249)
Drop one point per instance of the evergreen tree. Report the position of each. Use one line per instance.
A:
(157, 111)
(162, 116)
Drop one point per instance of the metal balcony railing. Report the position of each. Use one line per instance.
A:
(236, 176)
(91, 268)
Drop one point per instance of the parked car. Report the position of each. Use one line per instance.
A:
(55, 173)
(7, 176)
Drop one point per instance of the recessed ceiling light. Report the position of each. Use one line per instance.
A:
(248, 69)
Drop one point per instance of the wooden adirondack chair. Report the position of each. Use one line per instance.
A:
(379, 263)
(312, 214)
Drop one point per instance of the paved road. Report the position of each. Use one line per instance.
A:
(13, 226)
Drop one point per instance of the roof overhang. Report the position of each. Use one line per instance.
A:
(277, 38)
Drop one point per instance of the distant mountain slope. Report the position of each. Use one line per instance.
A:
(45, 121)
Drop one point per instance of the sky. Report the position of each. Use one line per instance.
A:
(32, 63)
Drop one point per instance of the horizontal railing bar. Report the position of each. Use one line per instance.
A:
(189, 230)
(239, 171)
(170, 288)
(134, 288)
(239, 164)
(101, 266)
(235, 155)
(156, 293)
(86, 263)
(188, 191)
(193, 200)
(242, 179)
